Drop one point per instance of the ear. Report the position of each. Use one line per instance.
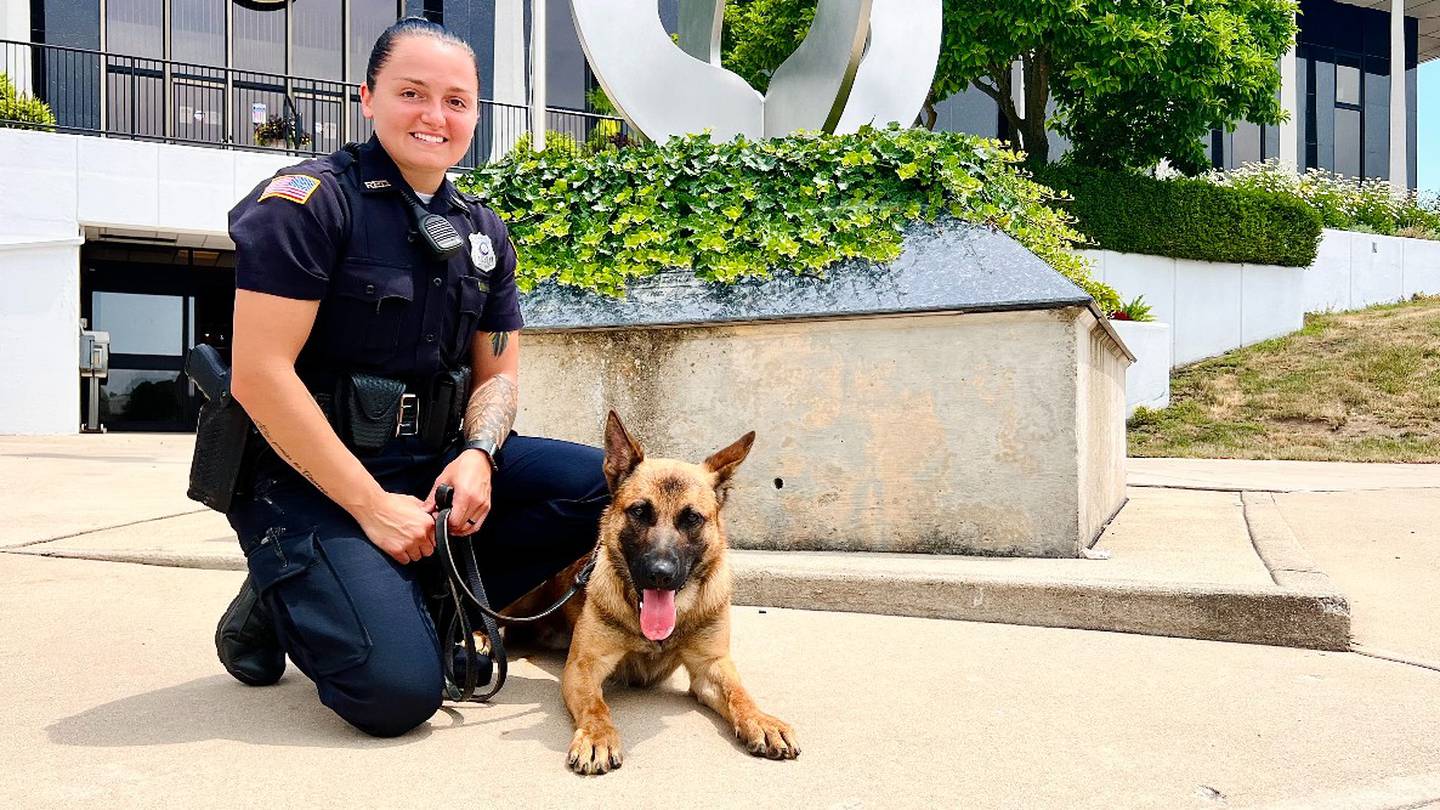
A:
(622, 454)
(725, 462)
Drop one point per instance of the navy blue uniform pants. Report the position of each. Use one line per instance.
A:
(354, 620)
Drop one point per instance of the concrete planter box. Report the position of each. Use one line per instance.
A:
(1147, 382)
(965, 399)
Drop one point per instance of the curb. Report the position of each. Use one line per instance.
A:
(1304, 609)
(1281, 617)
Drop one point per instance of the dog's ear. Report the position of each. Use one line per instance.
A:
(622, 454)
(725, 462)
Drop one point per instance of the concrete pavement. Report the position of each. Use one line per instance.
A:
(1173, 562)
(115, 697)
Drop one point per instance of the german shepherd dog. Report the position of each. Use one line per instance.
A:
(659, 598)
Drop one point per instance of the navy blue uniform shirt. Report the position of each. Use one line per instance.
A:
(386, 306)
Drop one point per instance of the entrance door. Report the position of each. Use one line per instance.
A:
(155, 313)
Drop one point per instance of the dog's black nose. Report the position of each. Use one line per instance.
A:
(662, 573)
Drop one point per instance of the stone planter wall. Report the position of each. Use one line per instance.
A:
(928, 412)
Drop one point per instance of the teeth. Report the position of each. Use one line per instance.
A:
(427, 138)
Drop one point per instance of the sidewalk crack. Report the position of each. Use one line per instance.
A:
(43, 540)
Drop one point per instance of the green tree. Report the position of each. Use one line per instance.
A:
(1132, 81)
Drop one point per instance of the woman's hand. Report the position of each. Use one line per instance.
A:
(400, 526)
(469, 475)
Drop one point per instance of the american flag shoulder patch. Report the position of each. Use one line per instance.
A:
(296, 188)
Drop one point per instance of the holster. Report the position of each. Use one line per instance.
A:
(225, 438)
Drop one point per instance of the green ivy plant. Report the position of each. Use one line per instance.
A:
(750, 208)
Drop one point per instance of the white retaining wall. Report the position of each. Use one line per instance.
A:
(1357, 270)
(1214, 307)
(51, 187)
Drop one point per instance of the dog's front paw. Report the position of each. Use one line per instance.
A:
(767, 736)
(594, 750)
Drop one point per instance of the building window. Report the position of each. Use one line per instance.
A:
(260, 37)
(317, 39)
(135, 27)
(368, 18)
(197, 31)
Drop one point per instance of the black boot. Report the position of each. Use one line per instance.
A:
(246, 643)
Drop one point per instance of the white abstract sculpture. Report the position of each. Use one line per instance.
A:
(862, 62)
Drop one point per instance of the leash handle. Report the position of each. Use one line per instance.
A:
(444, 498)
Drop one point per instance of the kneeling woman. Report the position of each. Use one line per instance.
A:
(340, 301)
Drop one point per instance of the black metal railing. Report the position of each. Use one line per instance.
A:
(137, 97)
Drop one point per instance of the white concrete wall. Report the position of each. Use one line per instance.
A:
(1357, 270)
(51, 187)
(1212, 307)
(1147, 381)
(39, 331)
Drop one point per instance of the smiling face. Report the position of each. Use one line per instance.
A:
(424, 105)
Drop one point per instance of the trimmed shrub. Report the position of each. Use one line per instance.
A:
(1345, 203)
(747, 208)
(21, 110)
(1186, 218)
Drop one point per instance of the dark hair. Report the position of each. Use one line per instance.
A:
(412, 26)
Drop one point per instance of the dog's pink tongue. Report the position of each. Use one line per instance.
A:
(657, 614)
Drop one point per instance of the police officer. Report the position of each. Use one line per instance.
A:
(339, 280)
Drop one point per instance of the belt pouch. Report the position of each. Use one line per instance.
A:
(369, 410)
(449, 394)
(221, 436)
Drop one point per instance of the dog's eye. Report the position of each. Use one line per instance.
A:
(639, 511)
(691, 520)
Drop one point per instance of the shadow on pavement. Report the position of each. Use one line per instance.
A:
(219, 708)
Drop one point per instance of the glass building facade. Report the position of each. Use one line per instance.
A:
(1342, 77)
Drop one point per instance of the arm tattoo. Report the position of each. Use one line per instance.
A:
(498, 342)
(491, 411)
(289, 459)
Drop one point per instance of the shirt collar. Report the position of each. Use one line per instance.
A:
(380, 175)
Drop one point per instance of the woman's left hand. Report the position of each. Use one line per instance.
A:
(469, 475)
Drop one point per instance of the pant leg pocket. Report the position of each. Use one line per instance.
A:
(323, 616)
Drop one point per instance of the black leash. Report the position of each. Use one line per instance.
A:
(463, 578)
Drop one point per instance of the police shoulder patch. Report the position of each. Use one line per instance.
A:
(296, 188)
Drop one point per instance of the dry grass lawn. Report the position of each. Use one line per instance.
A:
(1354, 386)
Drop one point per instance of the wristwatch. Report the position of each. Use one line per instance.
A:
(484, 445)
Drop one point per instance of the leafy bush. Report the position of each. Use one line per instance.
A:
(20, 109)
(747, 208)
(1343, 202)
(1186, 218)
(555, 141)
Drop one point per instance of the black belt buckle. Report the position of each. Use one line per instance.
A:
(408, 421)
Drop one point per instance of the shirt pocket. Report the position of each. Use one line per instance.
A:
(373, 303)
(474, 290)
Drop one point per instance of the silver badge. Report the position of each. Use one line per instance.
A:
(482, 252)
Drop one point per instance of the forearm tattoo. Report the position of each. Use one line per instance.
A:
(285, 454)
(498, 342)
(491, 411)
